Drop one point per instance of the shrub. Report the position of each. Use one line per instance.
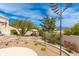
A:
(67, 32)
(51, 38)
(14, 32)
(40, 32)
(73, 30)
(43, 49)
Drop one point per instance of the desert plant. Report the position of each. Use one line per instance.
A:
(14, 32)
(40, 32)
(67, 31)
(22, 25)
(51, 38)
(48, 24)
(43, 48)
(73, 30)
(48, 33)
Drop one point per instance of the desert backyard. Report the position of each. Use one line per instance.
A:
(34, 43)
(34, 30)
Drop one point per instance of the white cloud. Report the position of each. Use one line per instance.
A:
(7, 8)
(50, 12)
(70, 18)
(2, 15)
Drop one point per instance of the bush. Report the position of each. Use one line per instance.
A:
(67, 32)
(40, 32)
(14, 32)
(51, 37)
(73, 30)
(43, 49)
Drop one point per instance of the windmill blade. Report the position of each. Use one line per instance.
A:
(58, 11)
(55, 9)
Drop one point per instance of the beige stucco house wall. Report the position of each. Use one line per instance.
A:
(4, 26)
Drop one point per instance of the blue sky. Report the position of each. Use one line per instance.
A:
(36, 12)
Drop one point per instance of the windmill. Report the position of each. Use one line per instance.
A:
(58, 10)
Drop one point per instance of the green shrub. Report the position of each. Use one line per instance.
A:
(67, 32)
(51, 37)
(14, 32)
(73, 30)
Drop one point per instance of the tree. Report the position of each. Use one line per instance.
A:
(48, 24)
(47, 32)
(14, 32)
(30, 25)
(22, 25)
(73, 30)
(68, 31)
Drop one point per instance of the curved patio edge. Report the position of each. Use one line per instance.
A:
(55, 46)
(17, 51)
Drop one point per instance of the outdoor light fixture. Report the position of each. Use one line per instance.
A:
(59, 9)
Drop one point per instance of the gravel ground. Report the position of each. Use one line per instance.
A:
(29, 42)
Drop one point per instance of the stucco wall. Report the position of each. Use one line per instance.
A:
(72, 39)
(4, 26)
